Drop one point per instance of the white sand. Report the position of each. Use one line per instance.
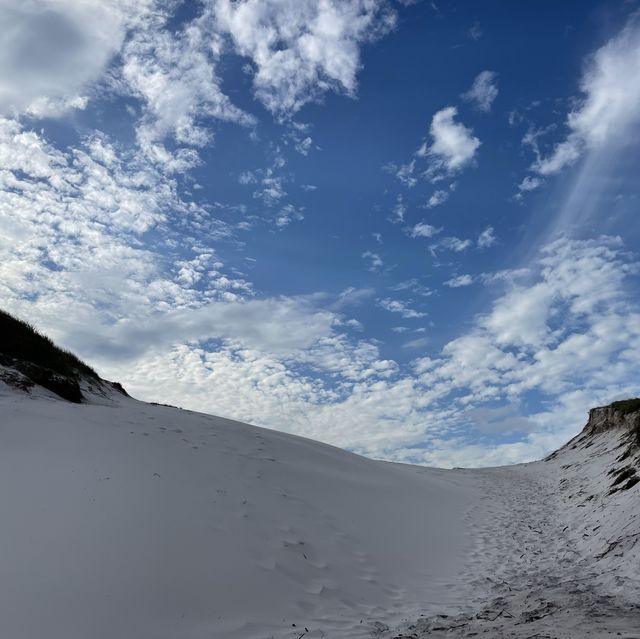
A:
(125, 520)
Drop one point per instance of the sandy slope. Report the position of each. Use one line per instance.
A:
(123, 519)
(132, 520)
(558, 555)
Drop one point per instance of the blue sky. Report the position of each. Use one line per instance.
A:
(404, 228)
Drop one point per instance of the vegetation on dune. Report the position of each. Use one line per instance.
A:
(24, 349)
(22, 341)
(626, 406)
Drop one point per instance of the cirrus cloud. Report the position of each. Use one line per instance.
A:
(483, 91)
(608, 111)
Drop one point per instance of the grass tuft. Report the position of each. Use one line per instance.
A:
(22, 341)
(626, 406)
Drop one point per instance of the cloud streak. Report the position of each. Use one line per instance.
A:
(608, 110)
(483, 91)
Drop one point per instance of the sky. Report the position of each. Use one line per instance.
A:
(405, 228)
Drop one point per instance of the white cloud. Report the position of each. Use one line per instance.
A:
(483, 91)
(520, 317)
(504, 419)
(399, 210)
(487, 238)
(262, 389)
(453, 145)
(418, 342)
(405, 173)
(304, 146)
(454, 244)
(397, 306)
(571, 311)
(247, 177)
(475, 32)
(354, 324)
(414, 286)
(459, 281)
(298, 135)
(53, 50)
(400, 329)
(72, 261)
(351, 296)
(375, 261)
(609, 109)
(57, 52)
(72, 228)
(438, 198)
(529, 183)
(569, 336)
(564, 154)
(303, 48)
(287, 214)
(174, 74)
(269, 188)
(277, 325)
(423, 230)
